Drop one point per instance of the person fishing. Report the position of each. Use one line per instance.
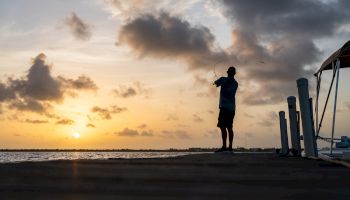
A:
(227, 106)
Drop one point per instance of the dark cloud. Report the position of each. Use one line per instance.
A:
(197, 118)
(38, 89)
(164, 36)
(106, 113)
(180, 134)
(78, 27)
(297, 17)
(29, 104)
(274, 41)
(65, 122)
(81, 83)
(6, 92)
(132, 90)
(39, 83)
(89, 125)
(36, 121)
(133, 133)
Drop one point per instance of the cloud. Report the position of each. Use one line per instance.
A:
(211, 92)
(133, 133)
(172, 117)
(274, 42)
(142, 126)
(196, 118)
(78, 27)
(89, 125)
(38, 89)
(249, 135)
(344, 108)
(214, 133)
(165, 36)
(128, 132)
(132, 90)
(29, 104)
(36, 121)
(210, 112)
(38, 83)
(248, 115)
(129, 9)
(180, 134)
(347, 105)
(147, 133)
(6, 92)
(201, 81)
(81, 83)
(65, 122)
(106, 113)
(270, 120)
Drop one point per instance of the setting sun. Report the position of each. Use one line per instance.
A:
(76, 135)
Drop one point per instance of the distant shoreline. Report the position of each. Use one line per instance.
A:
(138, 150)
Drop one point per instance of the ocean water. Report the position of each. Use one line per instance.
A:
(24, 156)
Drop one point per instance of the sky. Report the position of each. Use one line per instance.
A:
(112, 74)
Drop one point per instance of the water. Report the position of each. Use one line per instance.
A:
(11, 157)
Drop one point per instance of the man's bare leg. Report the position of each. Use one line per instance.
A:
(230, 137)
(224, 136)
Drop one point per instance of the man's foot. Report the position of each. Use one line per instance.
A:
(222, 149)
(229, 149)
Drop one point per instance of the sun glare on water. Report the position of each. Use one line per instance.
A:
(76, 135)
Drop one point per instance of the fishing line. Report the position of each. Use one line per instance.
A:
(214, 68)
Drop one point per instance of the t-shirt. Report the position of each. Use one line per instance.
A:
(227, 92)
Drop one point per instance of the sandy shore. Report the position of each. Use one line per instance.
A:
(205, 176)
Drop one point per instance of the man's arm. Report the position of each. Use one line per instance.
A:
(218, 82)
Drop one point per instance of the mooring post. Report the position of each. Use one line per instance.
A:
(293, 125)
(284, 135)
(308, 133)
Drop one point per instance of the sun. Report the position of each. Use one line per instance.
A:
(76, 135)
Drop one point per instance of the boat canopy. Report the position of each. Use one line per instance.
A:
(343, 54)
(339, 59)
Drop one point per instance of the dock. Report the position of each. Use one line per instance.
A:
(202, 176)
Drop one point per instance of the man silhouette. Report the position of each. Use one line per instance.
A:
(227, 107)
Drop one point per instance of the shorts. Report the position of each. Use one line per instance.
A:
(226, 118)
